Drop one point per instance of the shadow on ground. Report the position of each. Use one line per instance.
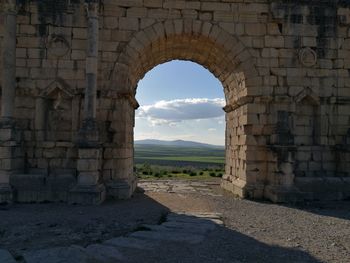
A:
(221, 245)
(25, 227)
(33, 227)
(335, 209)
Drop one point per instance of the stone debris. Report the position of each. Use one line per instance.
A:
(178, 187)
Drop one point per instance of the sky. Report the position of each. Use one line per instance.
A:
(180, 100)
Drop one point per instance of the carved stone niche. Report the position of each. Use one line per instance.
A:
(54, 119)
(307, 119)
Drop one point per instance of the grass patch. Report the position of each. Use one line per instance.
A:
(171, 162)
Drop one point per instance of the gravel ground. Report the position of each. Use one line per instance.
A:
(252, 231)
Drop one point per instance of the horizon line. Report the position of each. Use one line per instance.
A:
(178, 140)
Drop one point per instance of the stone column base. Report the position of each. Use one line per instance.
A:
(310, 189)
(122, 189)
(87, 195)
(276, 194)
(39, 187)
(6, 194)
(241, 189)
(280, 194)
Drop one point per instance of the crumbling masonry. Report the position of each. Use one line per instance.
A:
(69, 74)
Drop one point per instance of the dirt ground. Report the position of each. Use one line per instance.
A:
(252, 232)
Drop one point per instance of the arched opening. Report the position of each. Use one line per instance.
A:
(180, 125)
(230, 62)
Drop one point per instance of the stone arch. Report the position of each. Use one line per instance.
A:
(205, 43)
(228, 59)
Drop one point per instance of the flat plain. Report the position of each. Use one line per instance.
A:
(173, 155)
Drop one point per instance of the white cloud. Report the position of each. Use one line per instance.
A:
(167, 112)
(212, 130)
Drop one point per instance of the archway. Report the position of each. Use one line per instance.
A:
(224, 56)
(180, 126)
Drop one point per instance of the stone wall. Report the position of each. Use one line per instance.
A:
(284, 66)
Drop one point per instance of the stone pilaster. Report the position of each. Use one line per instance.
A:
(281, 187)
(89, 189)
(10, 155)
(91, 61)
(9, 61)
(88, 134)
(122, 182)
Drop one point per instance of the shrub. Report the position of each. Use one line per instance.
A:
(212, 174)
(193, 174)
(201, 173)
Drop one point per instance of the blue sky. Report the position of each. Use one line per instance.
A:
(180, 100)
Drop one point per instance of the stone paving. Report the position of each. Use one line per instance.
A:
(184, 228)
(180, 186)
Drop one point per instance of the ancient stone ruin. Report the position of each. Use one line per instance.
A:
(69, 74)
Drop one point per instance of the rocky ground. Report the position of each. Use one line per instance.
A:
(176, 221)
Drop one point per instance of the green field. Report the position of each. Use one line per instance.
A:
(172, 155)
(158, 161)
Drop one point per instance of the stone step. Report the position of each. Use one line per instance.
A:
(6, 257)
(188, 230)
(190, 227)
(192, 219)
(200, 214)
(133, 243)
(169, 236)
(104, 253)
(72, 254)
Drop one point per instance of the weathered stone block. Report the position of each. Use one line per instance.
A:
(89, 195)
(88, 165)
(90, 153)
(88, 178)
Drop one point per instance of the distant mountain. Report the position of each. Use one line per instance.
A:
(177, 143)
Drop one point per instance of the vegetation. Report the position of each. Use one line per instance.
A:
(166, 162)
